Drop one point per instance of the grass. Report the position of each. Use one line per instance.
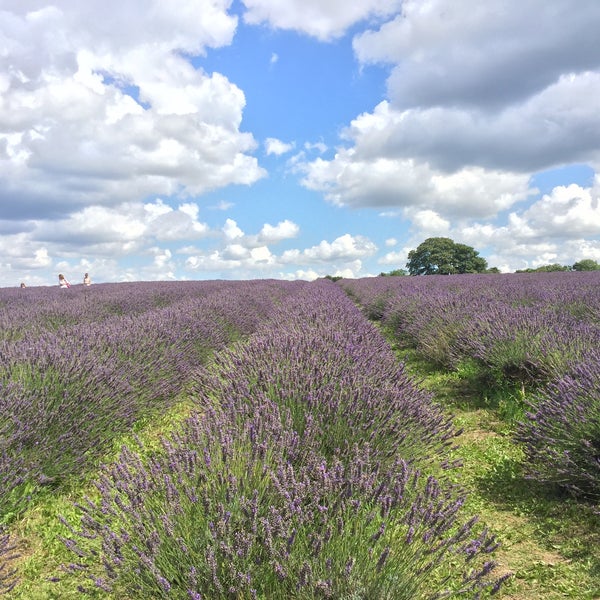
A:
(550, 541)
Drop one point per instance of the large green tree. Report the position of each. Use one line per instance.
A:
(587, 264)
(443, 256)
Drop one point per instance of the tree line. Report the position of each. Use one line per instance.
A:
(443, 256)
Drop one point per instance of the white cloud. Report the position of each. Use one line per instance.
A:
(162, 258)
(307, 275)
(323, 20)
(569, 211)
(261, 255)
(455, 53)
(563, 227)
(231, 230)
(277, 147)
(352, 178)
(269, 234)
(95, 111)
(320, 147)
(479, 98)
(243, 259)
(396, 260)
(274, 233)
(222, 205)
(157, 208)
(344, 248)
(430, 224)
(94, 238)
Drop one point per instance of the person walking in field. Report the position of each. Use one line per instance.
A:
(87, 280)
(62, 282)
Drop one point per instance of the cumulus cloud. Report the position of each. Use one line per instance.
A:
(102, 233)
(430, 224)
(324, 20)
(95, 227)
(244, 256)
(479, 99)
(345, 248)
(231, 230)
(567, 212)
(241, 254)
(349, 180)
(563, 226)
(274, 233)
(277, 147)
(455, 53)
(94, 111)
(395, 259)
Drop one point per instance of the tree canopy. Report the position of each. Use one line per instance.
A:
(394, 273)
(544, 269)
(443, 256)
(587, 264)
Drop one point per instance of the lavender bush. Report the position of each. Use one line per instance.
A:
(70, 386)
(538, 331)
(338, 378)
(524, 328)
(224, 513)
(561, 435)
(266, 493)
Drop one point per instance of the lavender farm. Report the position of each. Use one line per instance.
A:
(270, 439)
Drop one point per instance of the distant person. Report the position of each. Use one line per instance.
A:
(62, 282)
(23, 284)
(87, 280)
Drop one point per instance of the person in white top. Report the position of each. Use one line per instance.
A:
(62, 282)
(87, 280)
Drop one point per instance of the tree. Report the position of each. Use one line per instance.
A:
(544, 269)
(587, 264)
(394, 273)
(442, 256)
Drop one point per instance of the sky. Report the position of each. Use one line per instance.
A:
(294, 139)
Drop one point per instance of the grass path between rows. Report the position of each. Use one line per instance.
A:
(550, 541)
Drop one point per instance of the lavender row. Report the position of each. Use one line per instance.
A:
(561, 434)
(540, 330)
(66, 394)
(27, 313)
(528, 328)
(332, 371)
(303, 474)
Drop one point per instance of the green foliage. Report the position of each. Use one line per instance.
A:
(545, 269)
(443, 256)
(394, 273)
(586, 264)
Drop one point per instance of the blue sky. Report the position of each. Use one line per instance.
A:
(202, 139)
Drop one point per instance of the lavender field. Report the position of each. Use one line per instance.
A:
(537, 331)
(306, 462)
